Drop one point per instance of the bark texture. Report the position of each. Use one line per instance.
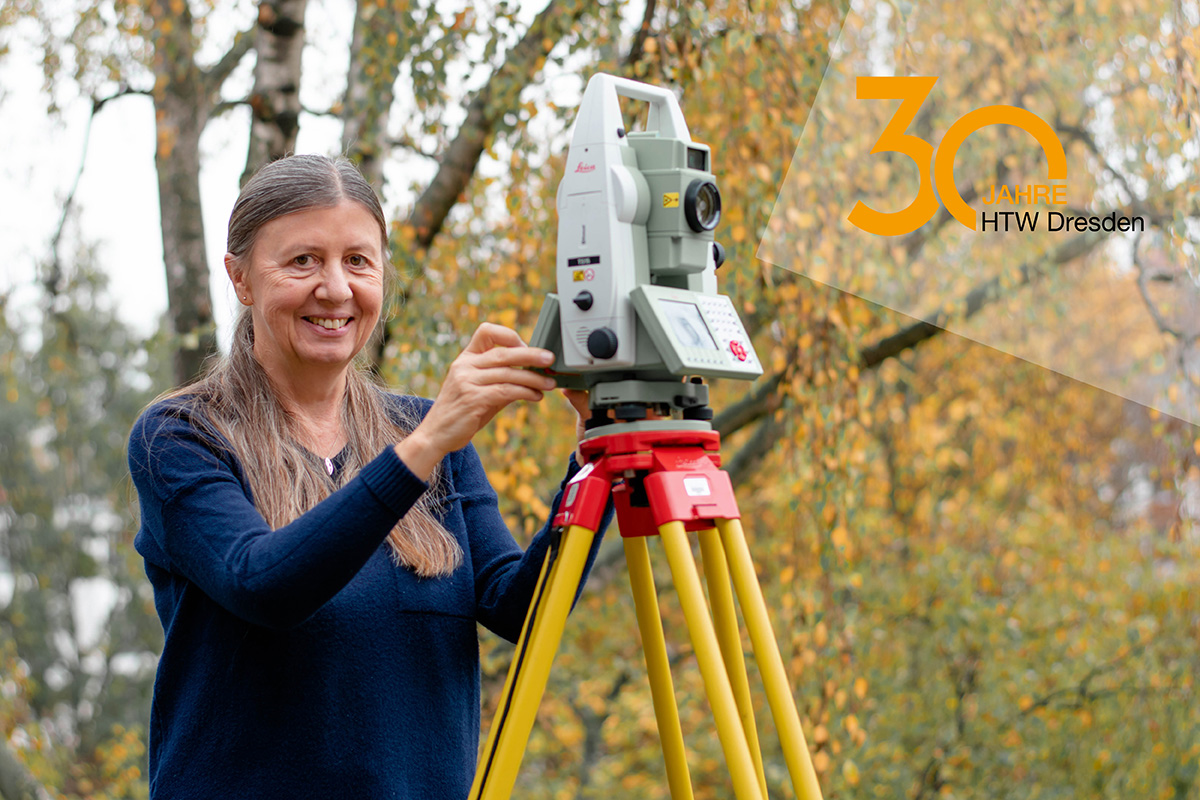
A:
(184, 98)
(275, 99)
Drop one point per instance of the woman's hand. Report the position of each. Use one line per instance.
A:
(579, 399)
(486, 376)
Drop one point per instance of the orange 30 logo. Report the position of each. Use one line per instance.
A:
(913, 91)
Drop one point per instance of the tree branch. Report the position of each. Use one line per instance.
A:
(873, 355)
(460, 158)
(406, 142)
(748, 410)
(637, 47)
(1080, 133)
(753, 451)
(122, 91)
(215, 75)
(228, 105)
(54, 273)
(1143, 280)
(502, 90)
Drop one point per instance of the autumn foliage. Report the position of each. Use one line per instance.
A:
(983, 574)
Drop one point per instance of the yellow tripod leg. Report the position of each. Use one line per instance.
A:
(658, 667)
(498, 766)
(488, 752)
(712, 670)
(770, 663)
(720, 595)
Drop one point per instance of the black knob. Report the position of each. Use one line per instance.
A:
(583, 300)
(718, 255)
(628, 412)
(602, 343)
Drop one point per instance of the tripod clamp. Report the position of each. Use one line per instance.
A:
(656, 473)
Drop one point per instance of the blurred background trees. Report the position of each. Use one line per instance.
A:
(983, 573)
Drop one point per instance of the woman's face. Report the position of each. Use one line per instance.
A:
(314, 281)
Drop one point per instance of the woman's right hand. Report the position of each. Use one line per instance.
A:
(486, 376)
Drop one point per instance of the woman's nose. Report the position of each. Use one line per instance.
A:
(334, 286)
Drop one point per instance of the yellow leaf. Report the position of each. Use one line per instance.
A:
(850, 772)
(840, 537)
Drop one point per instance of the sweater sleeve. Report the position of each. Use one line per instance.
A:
(200, 519)
(505, 577)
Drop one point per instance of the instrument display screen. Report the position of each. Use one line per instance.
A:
(688, 325)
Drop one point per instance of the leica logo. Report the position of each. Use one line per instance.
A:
(585, 167)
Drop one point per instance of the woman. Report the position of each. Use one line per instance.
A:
(320, 550)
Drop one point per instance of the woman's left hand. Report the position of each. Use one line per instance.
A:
(579, 399)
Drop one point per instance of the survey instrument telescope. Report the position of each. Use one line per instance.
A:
(637, 307)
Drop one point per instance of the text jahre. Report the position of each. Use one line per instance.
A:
(1029, 193)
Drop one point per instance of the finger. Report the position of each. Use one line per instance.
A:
(511, 393)
(489, 335)
(504, 356)
(517, 377)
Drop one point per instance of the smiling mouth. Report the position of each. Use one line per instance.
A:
(329, 324)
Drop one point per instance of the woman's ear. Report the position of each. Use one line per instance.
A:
(237, 276)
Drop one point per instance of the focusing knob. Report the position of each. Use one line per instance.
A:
(583, 300)
(718, 255)
(602, 343)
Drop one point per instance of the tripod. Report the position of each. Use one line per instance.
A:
(664, 479)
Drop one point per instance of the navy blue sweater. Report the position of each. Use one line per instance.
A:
(302, 662)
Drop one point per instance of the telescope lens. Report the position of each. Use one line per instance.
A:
(702, 205)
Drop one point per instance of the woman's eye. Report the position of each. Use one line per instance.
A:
(302, 261)
(356, 261)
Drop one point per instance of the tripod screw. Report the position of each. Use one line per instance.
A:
(630, 411)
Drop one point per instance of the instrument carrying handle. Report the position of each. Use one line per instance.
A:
(665, 115)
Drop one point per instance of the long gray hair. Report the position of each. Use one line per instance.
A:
(237, 400)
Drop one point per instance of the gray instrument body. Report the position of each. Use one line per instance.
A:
(637, 298)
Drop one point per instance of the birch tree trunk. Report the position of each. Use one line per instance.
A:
(275, 99)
